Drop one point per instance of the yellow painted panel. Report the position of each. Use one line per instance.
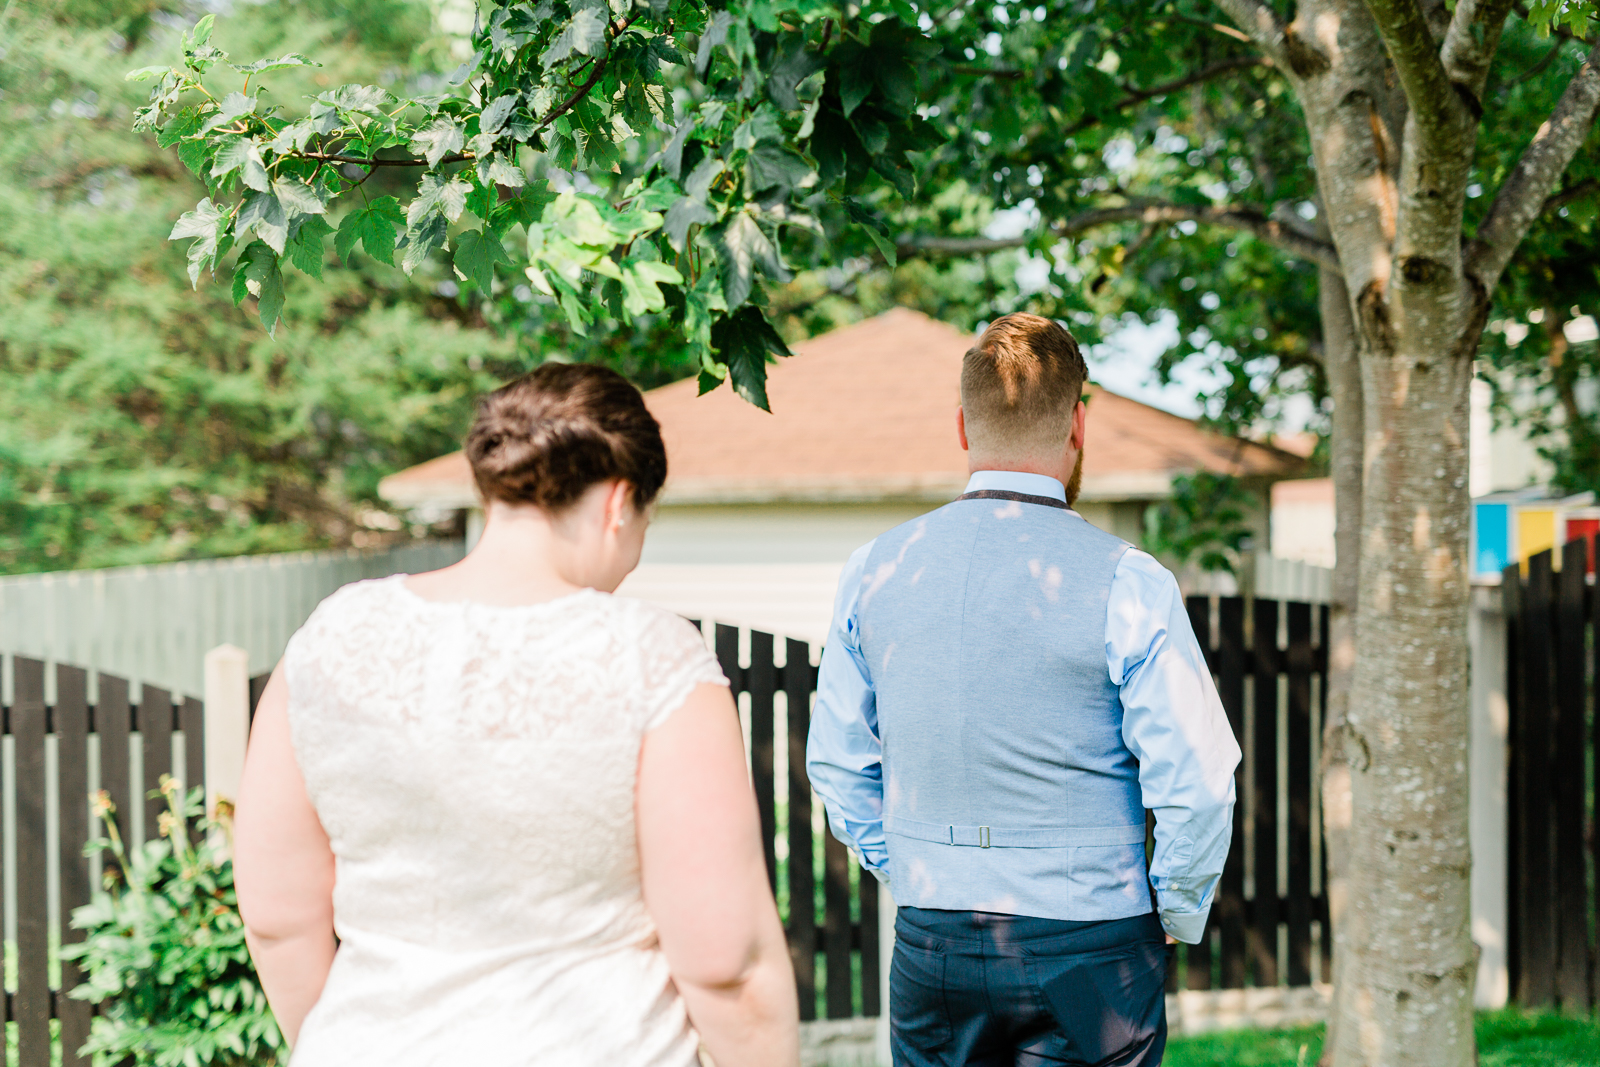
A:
(1536, 531)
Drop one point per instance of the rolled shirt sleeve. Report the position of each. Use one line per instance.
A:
(844, 754)
(1174, 724)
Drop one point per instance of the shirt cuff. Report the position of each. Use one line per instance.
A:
(1187, 926)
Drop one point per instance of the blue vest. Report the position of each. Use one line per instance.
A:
(1007, 785)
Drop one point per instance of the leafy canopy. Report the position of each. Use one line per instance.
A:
(776, 124)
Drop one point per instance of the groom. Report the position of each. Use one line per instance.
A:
(1005, 691)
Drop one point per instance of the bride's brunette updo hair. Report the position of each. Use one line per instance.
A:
(551, 434)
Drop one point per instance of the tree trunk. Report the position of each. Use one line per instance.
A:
(1408, 959)
(1343, 367)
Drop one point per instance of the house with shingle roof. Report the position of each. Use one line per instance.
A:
(761, 510)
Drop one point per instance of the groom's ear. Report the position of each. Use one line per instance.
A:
(961, 428)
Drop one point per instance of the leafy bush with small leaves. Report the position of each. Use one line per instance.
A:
(1206, 519)
(165, 956)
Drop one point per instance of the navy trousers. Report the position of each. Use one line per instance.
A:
(974, 989)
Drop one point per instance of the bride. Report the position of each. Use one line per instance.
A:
(493, 814)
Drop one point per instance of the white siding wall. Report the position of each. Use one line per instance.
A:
(155, 624)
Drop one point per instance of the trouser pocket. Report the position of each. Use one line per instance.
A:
(919, 1017)
(1110, 1005)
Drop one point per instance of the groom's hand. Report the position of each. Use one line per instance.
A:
(1171, 940)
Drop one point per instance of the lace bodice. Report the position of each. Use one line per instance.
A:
(474, 767)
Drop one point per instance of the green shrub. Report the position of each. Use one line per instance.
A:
(165, 958)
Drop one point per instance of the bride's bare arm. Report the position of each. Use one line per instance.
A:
(283, 868)
(705, 883)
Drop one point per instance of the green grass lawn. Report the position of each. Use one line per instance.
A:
(1507, 1038)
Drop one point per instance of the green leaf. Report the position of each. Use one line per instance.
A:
(528, 207)
(855, 85)
(144, 74)
(775, 171)
(201, 34)
(298, 198)
(233, 106)
(438, 139)
(283, 62)
(641, 281)
(793, 65)
(257, 274)
(422, 239)
(208, 225)
(305, 247)
(439, 193)
(494, 116)
(685, 213)
(743, 340)
(585, 34)
(874, 228)
(375, 226)
(262, 213)
(476, 254)
(744, 247)
(244, 155)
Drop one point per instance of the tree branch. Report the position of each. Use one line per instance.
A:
(1204, 74)
(1434, 105)
(1557, 201)
(1263, 26)
(1525, 192)
(1471, 42)
(1245, 217)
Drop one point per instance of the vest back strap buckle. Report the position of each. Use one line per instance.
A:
(1013, 837)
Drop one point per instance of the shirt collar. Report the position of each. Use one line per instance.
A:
(1017, 482)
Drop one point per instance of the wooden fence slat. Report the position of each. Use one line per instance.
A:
(72, 780)
(836, 925)
(155, 729)
(1230, 906)
(7, 787)
(31, 1005)
(762, 680)
(1538, 920)
(799, 679)
(113, 718)
(1511, 599)
(1263, 935)
(1300, 662)
(1197, 958)
(1594, 838)
(1321, 907)
(1570, 886)
(867, 895)
(192, 720)
(727, 642)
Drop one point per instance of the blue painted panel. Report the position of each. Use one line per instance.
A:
(1491, 538)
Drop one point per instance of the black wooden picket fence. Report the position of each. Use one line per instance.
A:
(1553, 661)
(74, 725)
(1268, 926)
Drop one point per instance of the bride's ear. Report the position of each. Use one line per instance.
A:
(617, 509)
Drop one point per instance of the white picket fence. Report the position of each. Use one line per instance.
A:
(156, 623)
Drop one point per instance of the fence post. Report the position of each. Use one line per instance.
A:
(1486, 637)
(227, 722)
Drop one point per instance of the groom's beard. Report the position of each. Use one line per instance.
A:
(1075, 483)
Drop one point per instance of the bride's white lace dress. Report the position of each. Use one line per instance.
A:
(474, 767)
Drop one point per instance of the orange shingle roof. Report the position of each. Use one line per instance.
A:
(868, 412)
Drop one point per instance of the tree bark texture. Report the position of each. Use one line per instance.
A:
(1343, 367)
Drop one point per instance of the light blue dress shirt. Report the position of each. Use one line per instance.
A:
(1173, 722)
